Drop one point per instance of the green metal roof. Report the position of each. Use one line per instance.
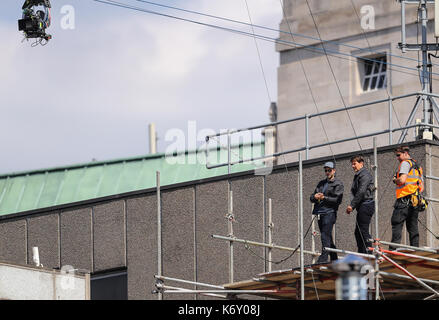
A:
(24, 191)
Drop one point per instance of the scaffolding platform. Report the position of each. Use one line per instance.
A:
(320, 279)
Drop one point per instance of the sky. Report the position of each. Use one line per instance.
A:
(90, 93)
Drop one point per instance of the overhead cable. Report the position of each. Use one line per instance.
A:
(300, 35)
(262, 37)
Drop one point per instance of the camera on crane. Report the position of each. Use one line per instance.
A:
(35, 21)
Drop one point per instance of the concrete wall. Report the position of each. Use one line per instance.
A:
(121, 231)
(19, 282)
(335, 81)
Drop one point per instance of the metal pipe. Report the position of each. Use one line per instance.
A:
(375, 169)
(152, 139)
(322, 145)
(229, 154)
(159, 231)
(429, 188)
(408, 255)
(401, 276)
(433, 102)
(256, 158)
(430, 297)
(350, 252)
(306, 137)
(302, 263)
(254, 243)
(403, 33)
(432, 177)
(230, 227)
(270, 233)
(432, 199)
(410, 119)
(181, 290)
(423, 284)
(206, 152)
(276, 123)
(323, 113)
(390, 122)
(406, 246)
(187, 282)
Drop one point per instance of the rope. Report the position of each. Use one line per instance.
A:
(437, 237)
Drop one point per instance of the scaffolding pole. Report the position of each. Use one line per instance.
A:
(401, 276)
(196, 283)
(423, 284)
(180, 290)
(270, 233)
(393, 244)
(375, 169)
(159, 231)
(254, 243)
(408, 255)
(302, 273)
(230, 218)
(364, 255)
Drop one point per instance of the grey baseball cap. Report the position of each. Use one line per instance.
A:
(329, 164)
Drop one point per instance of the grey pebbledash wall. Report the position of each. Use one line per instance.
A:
(121, 231)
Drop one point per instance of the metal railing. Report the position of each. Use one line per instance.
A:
(307, 147)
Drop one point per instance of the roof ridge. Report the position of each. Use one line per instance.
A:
(114, 161)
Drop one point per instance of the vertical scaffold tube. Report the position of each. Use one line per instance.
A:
(302, 269)
(375, 168)
(159, 232)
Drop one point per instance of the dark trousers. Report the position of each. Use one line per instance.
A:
(404, 212)
(364, 215)
(326, 223)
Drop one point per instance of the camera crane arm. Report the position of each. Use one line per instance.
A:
(28, 4)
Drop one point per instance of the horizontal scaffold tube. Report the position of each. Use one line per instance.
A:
(398, 245)
(272, 246)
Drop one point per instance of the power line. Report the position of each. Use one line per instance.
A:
(307, 80)
(259, 53)
(270, 29)
(333, 75)
(262, 37)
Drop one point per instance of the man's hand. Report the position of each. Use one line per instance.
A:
(319, 196)
(349, 210)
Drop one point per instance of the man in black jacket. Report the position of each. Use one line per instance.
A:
(362, 192)
(326, 198)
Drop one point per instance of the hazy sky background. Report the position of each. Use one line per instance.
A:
(92, 91)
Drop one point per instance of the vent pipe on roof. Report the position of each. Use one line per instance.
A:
(36, 256)
(152, 139)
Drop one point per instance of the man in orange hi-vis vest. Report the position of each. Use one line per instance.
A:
(408, 180)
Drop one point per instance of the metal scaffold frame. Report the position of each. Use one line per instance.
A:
(377, 256)
(423, 129)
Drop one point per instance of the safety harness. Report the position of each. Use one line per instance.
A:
(413, 186)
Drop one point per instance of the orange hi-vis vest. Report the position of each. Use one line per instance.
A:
(413, 183)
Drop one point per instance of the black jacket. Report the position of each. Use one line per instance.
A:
(333, 194)
(362, 188)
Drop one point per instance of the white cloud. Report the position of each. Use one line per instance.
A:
(91, 92)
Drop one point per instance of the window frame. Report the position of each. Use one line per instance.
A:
(372, 81)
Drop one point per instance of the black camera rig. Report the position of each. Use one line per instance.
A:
(35, 22)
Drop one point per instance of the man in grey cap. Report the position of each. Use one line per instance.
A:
(327, 198)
